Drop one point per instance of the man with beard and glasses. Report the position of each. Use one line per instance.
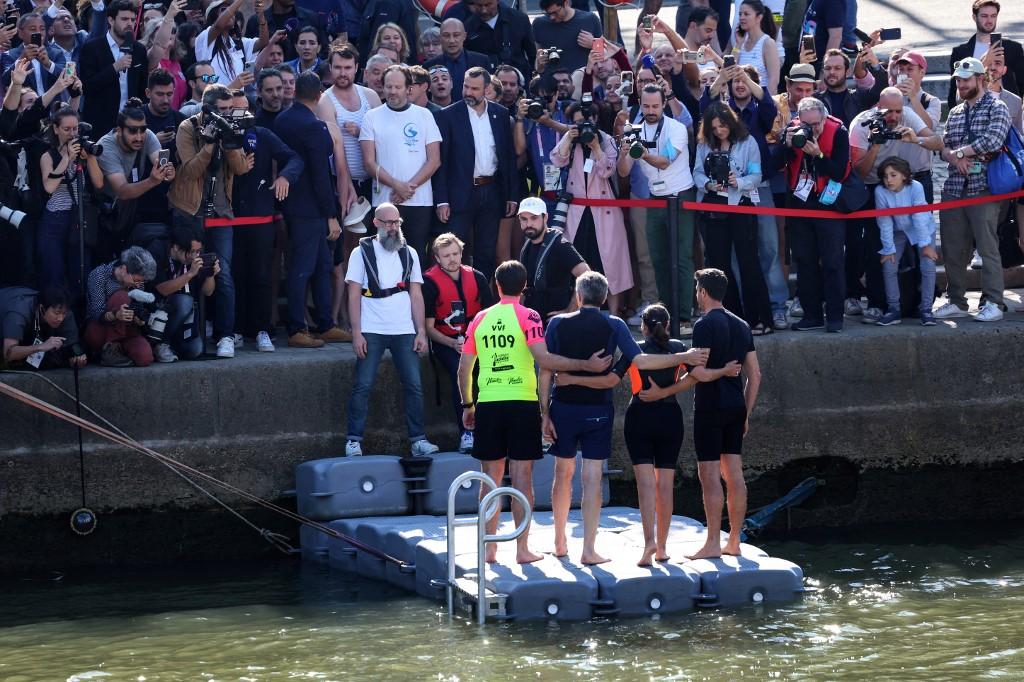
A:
(113, 68)
(440, 86)
(401, 151)
(975, 130)
(475, 184)
(311, 211)
(986, 18)
(845, 103)
(385, 307)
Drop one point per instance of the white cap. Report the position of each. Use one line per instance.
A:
(534, 205)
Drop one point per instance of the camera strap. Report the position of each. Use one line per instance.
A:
(653, 143)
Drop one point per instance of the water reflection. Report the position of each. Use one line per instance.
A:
(946, 607)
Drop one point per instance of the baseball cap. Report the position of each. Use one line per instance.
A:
(914, 58)
(802, 73)
(534, 205)
(213, 5)
(969, 67)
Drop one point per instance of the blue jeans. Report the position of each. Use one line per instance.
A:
(180, 309)
(58, 253)
(850, 23)
(407, 362)
(219, 240)
(892, 285)
(309, 263)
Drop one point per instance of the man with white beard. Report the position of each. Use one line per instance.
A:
(385, 307)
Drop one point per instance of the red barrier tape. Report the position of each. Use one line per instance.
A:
(246, 220)
(799, 212)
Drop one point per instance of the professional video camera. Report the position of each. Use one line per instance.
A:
(802, 133)
(145, 307)
(84, 131)
(879, 128)
(588, 131)
(717, 168)
(230, 131)
(631, 137)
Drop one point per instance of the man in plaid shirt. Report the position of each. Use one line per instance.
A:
(975, 130)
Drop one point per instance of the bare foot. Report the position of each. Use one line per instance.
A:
(645, 560)
(593, 559)
(561, 549)
(706, 552)
(662, 557)
(731, 550)
(491, 556)
(527, 557)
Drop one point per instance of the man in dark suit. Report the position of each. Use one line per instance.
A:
(454, 57)
(475, 184)
(47, 60)
(986, 15)
(112, 68)
(311, 212)
(509, 41)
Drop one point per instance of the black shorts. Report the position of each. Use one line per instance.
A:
(718, 432)
(507, 428)
(584, 427)
(654, 433)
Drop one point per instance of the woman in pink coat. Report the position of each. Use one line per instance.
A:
(598, 233)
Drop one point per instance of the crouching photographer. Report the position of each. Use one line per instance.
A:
(210, 151)
(114, 330)
(184, 275)
(38, 329)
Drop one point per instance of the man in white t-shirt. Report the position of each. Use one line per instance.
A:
(385, 307)
(222, 44)
(401, 151)
(666, 165)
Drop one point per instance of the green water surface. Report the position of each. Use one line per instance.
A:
(942, 604)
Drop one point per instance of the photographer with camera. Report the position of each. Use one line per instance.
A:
(728, 171)
(114, 331)
(662, 153)
(185, 275)
(47, 60)
(888, 129)
(210, 150)
(38, 329)
(816, 157)
(566, 33)
(57, 239)
(599, 234)
(539, 122)
(114, 68)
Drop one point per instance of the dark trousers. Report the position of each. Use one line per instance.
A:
(309, 263)
(253, 261)
(863, 242)
(818, 250)
(181, 323)
(477, 225)
(449, 361)
(739, 232)
(219, 240)
(416, 224)
(57, 248)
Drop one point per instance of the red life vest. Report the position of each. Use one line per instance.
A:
(825, 144)
(448, 293)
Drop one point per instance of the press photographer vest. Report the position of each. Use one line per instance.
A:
(448, 292)
(825, 144)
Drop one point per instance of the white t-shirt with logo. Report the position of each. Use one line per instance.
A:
(391, 315)
(401, 139)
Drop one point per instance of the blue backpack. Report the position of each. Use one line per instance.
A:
(1006, 170)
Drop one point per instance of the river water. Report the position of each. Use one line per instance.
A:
(936, 604)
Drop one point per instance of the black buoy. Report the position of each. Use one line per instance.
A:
(83, 521)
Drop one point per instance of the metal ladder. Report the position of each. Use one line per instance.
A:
(487, 602)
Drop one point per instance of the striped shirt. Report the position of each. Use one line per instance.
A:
(353, 152)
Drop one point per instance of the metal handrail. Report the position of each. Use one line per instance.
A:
(486, 509)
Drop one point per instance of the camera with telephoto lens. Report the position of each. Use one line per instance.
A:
(90, 147)
(554, 57)
(229, 130)
(631, 137)
(878, 129)
(588, 131)
(145, 307)
(802, 133)
(717, 168)
(561, 212)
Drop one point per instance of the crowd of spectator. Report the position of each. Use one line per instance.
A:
(205, 158)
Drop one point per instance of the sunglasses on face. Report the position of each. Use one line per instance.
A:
(135, 129)
(209, 78)
(438, 69)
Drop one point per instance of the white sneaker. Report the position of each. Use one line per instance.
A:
(871, 315)
(852, 307)
(976, 263)
(239, 340)
(423, 447)
(353, 448)
(949, 311)
(795, 309)
(989, 312)
(466, 442)
(226, 347)
(264, 344)
(163, 353)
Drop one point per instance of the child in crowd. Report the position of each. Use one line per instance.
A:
(898, 189)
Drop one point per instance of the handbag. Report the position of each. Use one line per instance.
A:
(1006, 170)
